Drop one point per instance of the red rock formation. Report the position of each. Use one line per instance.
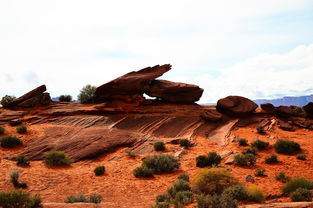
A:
(174, 92)
(211, 115)
(236, 106)
(268, 107)
(309, 109)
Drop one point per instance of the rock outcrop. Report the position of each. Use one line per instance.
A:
(268, 107)
(211, 115)
(236, 106)
(174, 92)
(284, 111)
(309, 109)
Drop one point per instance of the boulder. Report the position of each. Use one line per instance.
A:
(174, 92)
(35, 92)
(284, 125)
(309, 109)
(133, 83)
(268, 107)
(236, 106)
(211, 115)
(285, 111)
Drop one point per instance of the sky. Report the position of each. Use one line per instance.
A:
(253, 48)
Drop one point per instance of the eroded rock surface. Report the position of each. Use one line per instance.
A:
(211, 115)
(309, 109)
(236, 106)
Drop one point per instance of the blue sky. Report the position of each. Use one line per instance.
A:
(253, 48)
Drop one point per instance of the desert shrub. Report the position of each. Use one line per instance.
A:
(1, 130)
(260, 129)
(286, 147)
(182, 198)
(184, 177)
(216, 201)
(162, 205)
(161, 163)
(202, 161)
(260, 172)
(302, 157)
(245, 160)
(87, 94)
(21, 129)
(22, 161)
(237, 192)
(243, 142)
(213, 180)
(143, 172)
(6, 100)
(301, 194)
(95, 198)
(100, 170)
(178, 186)
(214, 159)
(14, 178)
(282, 177)
(10, 142)
(162, 198)
(65, 98)
(271, 159)
(255, 194)
(78, 198)
(19, 199)
(130, 153)
(159, 146)
(259, 144)
(57, 158)
(185, 143)
(251, 150)
(296, 183)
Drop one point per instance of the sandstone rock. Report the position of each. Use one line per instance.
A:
(211, 115)
(307, 124)
(35, 92)
(236, 106)
(15, 122)
(230, 160)
(268, 107)
(249, 178)
(285, 125)
(225, 153)
(285, 111)
(174, 92)
(179, 153)
(309, 109)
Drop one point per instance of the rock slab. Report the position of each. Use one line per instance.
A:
(236, 106)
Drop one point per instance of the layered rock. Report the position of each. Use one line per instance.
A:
(174, 92)
(236, 106)
(309, 109)
(285, 111)
(211, 115)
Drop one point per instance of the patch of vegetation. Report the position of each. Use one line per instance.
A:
(159, 146)
(65, 98)
(202, 161)
(22, 161)
(1, 130)
(237, 192)
(255, 194)
(245, 160)
(185, 143)
(271, 159)
(143, 172)
(213, 159)
(94, 198)
(178, 186)
(87, 94)
(6, 100)
(216, 201)
(243, 142)
(296, 183)
(260, 172)
(21, 129)
(286, 147)
(14, 178)
(302, 157)
(259, 144)
(161, 163)
(301, 194)
(163, 198)
(282, 177)
(183, 198)
(162, 205)
(251, 150)
(100, 170)
(57, 158)
(10, 142)
(260, 129)
(183, 177)
(19, 199)
(130, 153)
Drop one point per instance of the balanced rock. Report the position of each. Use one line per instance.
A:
(211, 115)
(236, 106)
(309, 109)
(268, 107)
(174, 92)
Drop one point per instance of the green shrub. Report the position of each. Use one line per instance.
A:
(178, 186)
(10, 142)
(143, 172)
(1, 130)
(130, 153)
(162, 205)
(216, 201)
(260, 172)
(159, 146)
(100, 170)
(57, 158)
(260, 129)
(245, 160)
(296, 183)
(87, 94)
(21, 129)
(161, 163)
(251, 150)
(271, 159)
(5, 101)
(65, 98)
(21, 161)
(78, 198)
(185, 143)
(302, 157)
(286, 147)
(213, 180)
(19, 199)
(14, 178)
(255, 194)
(243, 142)
(162, 198)
(183, 198)
(259, 144)
(237, 192)
(214, 159)
(95, 198)
(184, 177)
(282, 177)
(301, 194)
(202, 161)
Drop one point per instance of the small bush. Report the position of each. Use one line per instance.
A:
(130, 153)
(95, 198)
(214, 159)
(237, 192)
(243, 142)
(287, 147)
(21, 161)
(260, 129)
(202, 161)
(260, 172)
(1, 130)
(6, 100)
(78, 198)
(57, 158)
(19, 199)
(14, 178)
(245, 160)
(216, 201)
(282, 177)
(185, 143)
(87, 94)
(259, 144)
(10, 142)
(301, 194)
(182, 198)
(253, 151)
(159, 146)
(178, 186)
(162, 205)
(65, 98)
(271, 159)
(213, 180)
(21, 129)
(100, 170)
(143, 172)
(161, 163)
(296, 183)
(302, 157)
(255, 194)
(162, 198)
(184, 177)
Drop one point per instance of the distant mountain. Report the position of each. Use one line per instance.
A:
(297, 101)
